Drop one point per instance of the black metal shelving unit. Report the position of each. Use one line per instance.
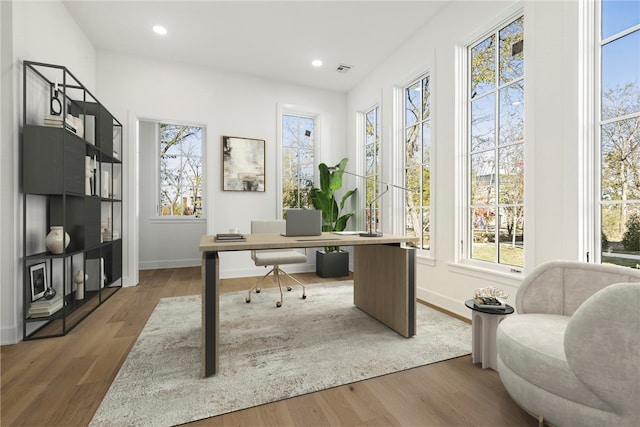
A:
(71, 176)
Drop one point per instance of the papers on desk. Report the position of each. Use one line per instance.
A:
(229, 237)
(347, 233)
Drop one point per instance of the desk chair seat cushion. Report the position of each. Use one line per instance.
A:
(278, 257)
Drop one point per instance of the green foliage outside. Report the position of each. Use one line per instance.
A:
(631, 237)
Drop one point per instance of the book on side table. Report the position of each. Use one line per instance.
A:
(489, 302)
(229, 237)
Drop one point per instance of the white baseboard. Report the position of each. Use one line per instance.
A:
(444, 302)
(177, 263)
(9, 335)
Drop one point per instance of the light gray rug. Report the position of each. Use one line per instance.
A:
(266, 354)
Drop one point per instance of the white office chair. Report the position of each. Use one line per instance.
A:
(274, 257)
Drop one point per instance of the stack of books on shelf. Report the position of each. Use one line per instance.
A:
(45, 307)
(229, 237)
(57, 121)
(489, 302)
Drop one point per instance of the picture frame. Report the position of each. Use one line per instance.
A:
(243, 164)
(38, 280)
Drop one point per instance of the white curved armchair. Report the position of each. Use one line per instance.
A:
(274, 258)
(571, 356)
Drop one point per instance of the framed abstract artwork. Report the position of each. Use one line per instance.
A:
(243, 162)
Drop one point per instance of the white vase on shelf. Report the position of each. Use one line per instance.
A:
(56, 241)
(79, 280)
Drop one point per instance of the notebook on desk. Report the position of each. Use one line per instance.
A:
(303, 222)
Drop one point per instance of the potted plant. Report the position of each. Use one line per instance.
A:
(332, 262)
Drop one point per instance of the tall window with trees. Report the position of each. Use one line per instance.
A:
(180, 170)
(298, 160)
(417, 161)
(619, 135)
(372, 167)
(496, 146)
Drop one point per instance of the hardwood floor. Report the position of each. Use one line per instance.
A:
(61, 381)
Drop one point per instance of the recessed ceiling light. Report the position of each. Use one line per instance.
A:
(316, 63)
(160, 30)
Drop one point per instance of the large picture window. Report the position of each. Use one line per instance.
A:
(417, 161)
(180, 170)
(619, 132)
(298, 160)
(495, 161)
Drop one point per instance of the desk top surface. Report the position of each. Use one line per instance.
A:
(277, 241)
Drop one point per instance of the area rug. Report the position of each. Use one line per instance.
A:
(266, 354)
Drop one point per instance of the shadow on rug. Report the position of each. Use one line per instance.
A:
(266, 354)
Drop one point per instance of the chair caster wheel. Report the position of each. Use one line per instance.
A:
(278, 304)
(247, 300)
(304, 297)
(289, 288)
(258, 291)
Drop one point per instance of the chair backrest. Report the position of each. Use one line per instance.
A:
(560, 287)
(265, 226)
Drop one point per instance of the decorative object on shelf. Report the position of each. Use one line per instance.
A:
(55, 104)
(332, 262)
(490, 291)
(243, 164)
(88, 174)
(38, 280)
(54, 240)
(49, 293)
(106, 184)
(79, 280)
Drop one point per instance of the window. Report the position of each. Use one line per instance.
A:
(417, 161)
(298, 160)
(180, 170)
(495, 151)
(619, 133)
(372, 168)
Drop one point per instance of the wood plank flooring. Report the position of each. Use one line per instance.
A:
(61, 381)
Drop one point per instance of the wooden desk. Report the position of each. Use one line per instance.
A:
(383, 278)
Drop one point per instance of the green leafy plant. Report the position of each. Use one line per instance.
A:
(324, 199)
(631, 237)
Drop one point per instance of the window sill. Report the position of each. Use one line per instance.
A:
(505, 278)
(176, 220)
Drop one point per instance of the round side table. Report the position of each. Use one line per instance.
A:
(484, 324)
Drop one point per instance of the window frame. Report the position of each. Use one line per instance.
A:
(592, 51)
(362, 131)
(158, 180)
(464, 237)
(399, 197)
(292, 110)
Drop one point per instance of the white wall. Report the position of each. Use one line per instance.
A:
(552, 146)
(226, 104)
(43, 32)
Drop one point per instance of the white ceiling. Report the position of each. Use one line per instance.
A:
(273, 39)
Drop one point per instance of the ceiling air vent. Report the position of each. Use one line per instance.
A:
(343, 68)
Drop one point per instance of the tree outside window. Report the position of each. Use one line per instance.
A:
(496, 146)
(619, 135)
(417, 161)
(180, 170)
(372, 167)
(298, 162)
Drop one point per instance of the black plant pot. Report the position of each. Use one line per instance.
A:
(332, 264)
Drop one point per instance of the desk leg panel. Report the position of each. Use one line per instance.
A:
(384, 285)
(210, 314)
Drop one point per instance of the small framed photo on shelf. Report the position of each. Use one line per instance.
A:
(243, 164)
(38, 280)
